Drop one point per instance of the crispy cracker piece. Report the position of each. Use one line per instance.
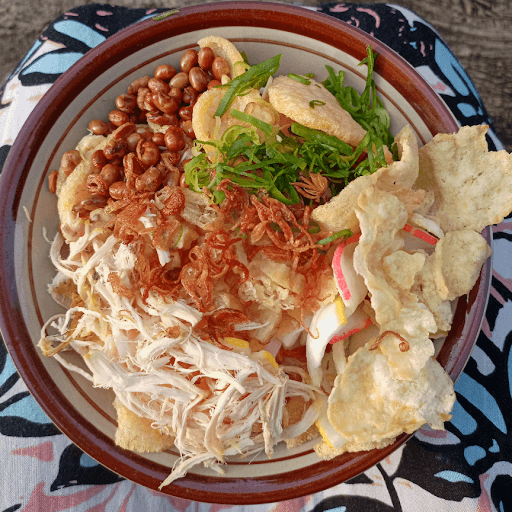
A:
(411, 199)
(91, 143)
(471, 185)
(74, 189)
(310, 433)
(86, 147)
(402, 267)
(459, 257)
(372, 406)
(72, 192)
(223, 48)
(428, 225)
(381, 216)
(405, 171)
(450, 272)
(397, 310)
(292, 99)
(396, 178)
(204, 123)
(203, 120)
(136, 434)
(326, 452)
(339, 212)
(426, 290)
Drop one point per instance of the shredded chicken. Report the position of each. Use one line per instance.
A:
(145, 318)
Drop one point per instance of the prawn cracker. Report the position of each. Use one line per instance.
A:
(426, 290)
(136, 434)
(226, 49)
(74, 190)
(292, 98)
(326, 452)
(203, 119)
(409, 348)
(405, 171)
(459, 257)
(208, 127)
(311, 433)
(339, 212)
(402, 267)
(396, 178)
(471, 185)
(372, 406)
(376, 258)
(381, 216)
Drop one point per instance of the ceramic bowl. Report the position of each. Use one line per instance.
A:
(307, 41)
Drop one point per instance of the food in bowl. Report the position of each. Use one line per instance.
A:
(247, 260)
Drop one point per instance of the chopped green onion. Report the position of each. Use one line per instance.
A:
(314, 103)
(310, 75)
(179, 238)
(299, 78)
(345, 233)
(320, 137)
(257, 123)
(197, 174)
(254, 78)
(313, 227)
(276, 163)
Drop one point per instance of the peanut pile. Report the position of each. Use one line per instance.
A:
(138, 160)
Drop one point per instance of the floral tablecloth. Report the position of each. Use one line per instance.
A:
(466, 468)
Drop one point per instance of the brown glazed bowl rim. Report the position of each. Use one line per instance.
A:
(86, 436)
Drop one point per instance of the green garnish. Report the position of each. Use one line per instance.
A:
(314, 103)
(254, 78)
(310, 75)
(257, 123)
(318, 137)
(255, 155)
(244, 56)
(331, 156)
(299, 78)
(165, 15)
(345, 233)
(242, 155)
(368, 110)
